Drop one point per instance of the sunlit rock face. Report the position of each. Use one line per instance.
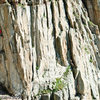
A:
(49, 49)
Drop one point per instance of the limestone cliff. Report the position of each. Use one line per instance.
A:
(50, 49)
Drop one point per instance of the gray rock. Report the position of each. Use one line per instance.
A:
(45, 97)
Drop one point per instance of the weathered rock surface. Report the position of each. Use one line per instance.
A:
(49, 49)
(93, 7)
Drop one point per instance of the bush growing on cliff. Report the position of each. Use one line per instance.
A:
(67, 70)
(91, 60)
(91, 23)
(58, 85)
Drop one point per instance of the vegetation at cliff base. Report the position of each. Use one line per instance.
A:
(58, 85)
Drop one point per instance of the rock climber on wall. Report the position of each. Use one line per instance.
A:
(1, 32)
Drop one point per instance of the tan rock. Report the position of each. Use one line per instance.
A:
(47, 41)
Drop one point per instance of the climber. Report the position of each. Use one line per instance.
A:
(1, 33)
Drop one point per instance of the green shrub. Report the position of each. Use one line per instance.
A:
(67, 70)
(91, 23)
(45, 91)
(58, 85)
(37, 67)
(91, 60)
(86, 50)
(21, 5)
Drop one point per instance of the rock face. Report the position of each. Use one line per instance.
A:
(93, 7)
(49, 49)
